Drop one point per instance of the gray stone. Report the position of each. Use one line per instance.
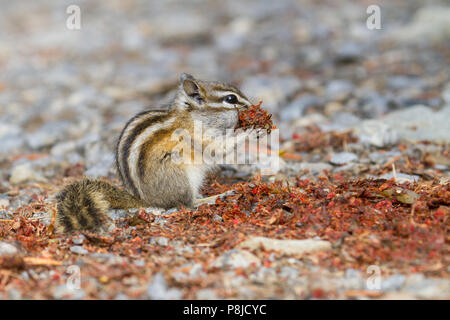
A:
(383, 157)
(338, 90)
(352, 273)
(416, 123)
(229, 42)
(236, 259)
(353, 167)
(160, 220)
(400, 177)
(296, 108)
(48, 134)
(352, 280)
(23, 173)
(349, 52)
(161, 241)
(139, 263)
(4, 200)
(79, 239)
(45, 217)
(206, 294)
(429, 24)
(11, 143)
(158, 290)
(9, 129)
(421, 123)
(65, 291)
(343, 158)
(273, 91)
(289, 272)
(116, 214)
(345, 120)
(14, 294)
(4, 214)
(195, 272)
(446, 94)
(63, 148)
(374, 105)
(403, 82)
(108, 258)
(121, 296)
(427, 288)
(7, 249)
(314, 168)
(19, 201)
(180, 248)
(78, 250)
(376, 133)
(99, 162)
(310, 119)
(187, 26)
(392, 283)
(289, 247)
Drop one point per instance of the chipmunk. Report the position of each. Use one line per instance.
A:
(144, 157)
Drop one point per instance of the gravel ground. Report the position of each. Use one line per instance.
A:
(351, 104)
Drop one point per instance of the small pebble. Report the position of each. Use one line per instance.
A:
(158, 290)
(78, 239)
(7, 249)
(343, 158)
(78, 250)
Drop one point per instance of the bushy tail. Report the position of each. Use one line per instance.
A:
(83, 205)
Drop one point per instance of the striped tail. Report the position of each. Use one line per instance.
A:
(83, 205)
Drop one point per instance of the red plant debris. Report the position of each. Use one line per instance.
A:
(314, 138)
(363, 225)
(255, 117)
(402, 227)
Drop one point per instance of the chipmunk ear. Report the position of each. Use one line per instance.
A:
(190, 91)
(190, 86)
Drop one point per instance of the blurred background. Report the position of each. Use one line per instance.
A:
(67, 93)
(351, 101)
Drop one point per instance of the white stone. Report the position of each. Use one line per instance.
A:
(290, 247)
(7, 249)
(78, 250)
(414, 123)
(343, 158)
(236, 259)
(23, 173)
(430, 23)
(158, 290)
(272, 91)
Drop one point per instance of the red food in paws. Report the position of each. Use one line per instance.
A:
(255, 117)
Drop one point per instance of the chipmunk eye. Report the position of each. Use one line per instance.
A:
(231, 98)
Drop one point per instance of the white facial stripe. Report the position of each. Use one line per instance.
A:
(226, 93)
(223, 94)
(221, 105)
(136, 147)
